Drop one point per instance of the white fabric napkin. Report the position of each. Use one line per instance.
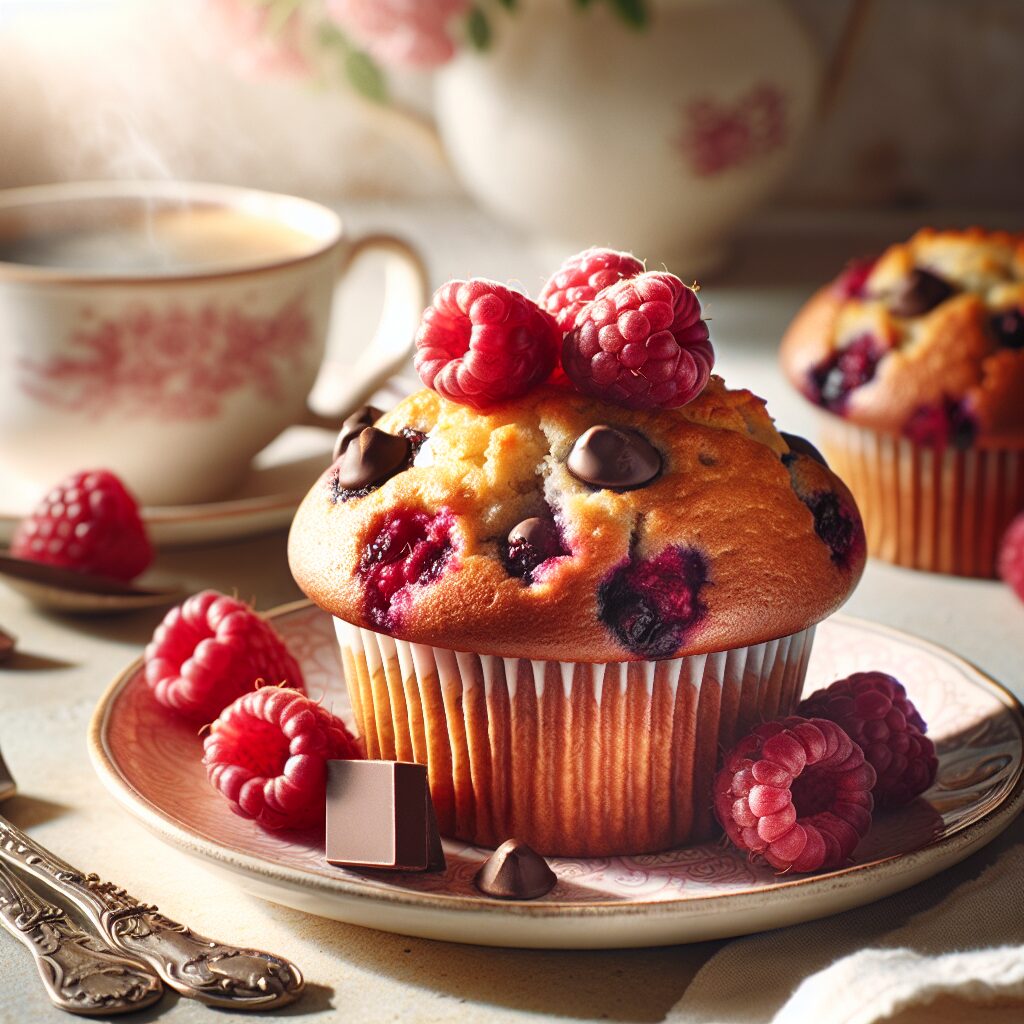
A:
(948, 950)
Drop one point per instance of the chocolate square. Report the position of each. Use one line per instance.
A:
(380, 815)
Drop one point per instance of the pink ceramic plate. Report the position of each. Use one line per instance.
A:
(151, 764)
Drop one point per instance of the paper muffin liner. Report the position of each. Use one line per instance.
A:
(938, 509)
(575, 759)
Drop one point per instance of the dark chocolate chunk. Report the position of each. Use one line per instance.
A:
(380, 815)
(371, 458)
(618, 460)
(802, 446)
(919, 292)
(515, 872)
(365, 416)
(6, 645)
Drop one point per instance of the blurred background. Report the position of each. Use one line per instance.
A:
(915, 102)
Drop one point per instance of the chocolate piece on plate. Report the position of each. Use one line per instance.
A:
(7, 644)
(371, 458)
(380, 815)
(618, 460)
(515, 872)
(365, 416)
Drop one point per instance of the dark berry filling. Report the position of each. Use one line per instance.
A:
(531, 544)
(835, 377)
(409, 549)
(1008, 327)
(852, 282)
(650, 605)
(944, 424)
(800, 446)
(416, 439)
(833, 524)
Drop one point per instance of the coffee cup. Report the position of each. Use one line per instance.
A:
(168, 332)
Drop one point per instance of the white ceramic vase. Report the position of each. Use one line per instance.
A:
(584, 131)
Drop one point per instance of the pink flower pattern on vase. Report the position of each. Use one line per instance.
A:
(157, 760)
(718, 136)
(409, 33)
(173, 363)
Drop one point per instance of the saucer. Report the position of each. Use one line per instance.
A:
(150, 762)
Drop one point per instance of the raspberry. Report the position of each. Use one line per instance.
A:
(578, 280)
(852, 282)
(480, 343)
(948, 422)
(88, 523)
(641, 343)
(1011, 556)
(210, 650)
(796, 792)
(409, 550)
(833, 379)
(650, 605)
(267, 755)
(874, 709)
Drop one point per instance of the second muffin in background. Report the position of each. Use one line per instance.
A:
(917, 361)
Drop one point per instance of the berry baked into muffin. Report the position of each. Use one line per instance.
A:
(917, 360)
(564, 592)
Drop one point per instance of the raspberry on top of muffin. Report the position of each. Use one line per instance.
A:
(628, 507)
(926, 342)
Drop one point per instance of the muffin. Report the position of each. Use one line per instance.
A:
(917, 362)
(565, 607)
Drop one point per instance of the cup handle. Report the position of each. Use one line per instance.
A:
(405, 296)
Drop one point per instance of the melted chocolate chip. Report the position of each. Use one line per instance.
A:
(618, 460)
(531, 543)
(365, 416)
(801, 446)
(371, 458)
(515, 872)
(918, 293)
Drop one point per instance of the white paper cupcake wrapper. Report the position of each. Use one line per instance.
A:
(574, 759)
(941, 510)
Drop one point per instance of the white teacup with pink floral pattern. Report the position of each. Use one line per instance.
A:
(168, 332)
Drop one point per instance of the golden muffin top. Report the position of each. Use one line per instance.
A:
(558, 526)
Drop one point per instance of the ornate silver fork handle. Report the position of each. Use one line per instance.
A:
(219, 975)
(80, 973)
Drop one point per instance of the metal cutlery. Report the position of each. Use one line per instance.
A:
(81, 973)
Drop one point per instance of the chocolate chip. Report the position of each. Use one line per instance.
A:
(371, 458)
(802, 446)
(515, 872)
(919, 292)
(364, 416)
(618, 460)
(531, 543)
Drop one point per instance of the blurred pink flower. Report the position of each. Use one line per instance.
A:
(253, 47)
(404, 32)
